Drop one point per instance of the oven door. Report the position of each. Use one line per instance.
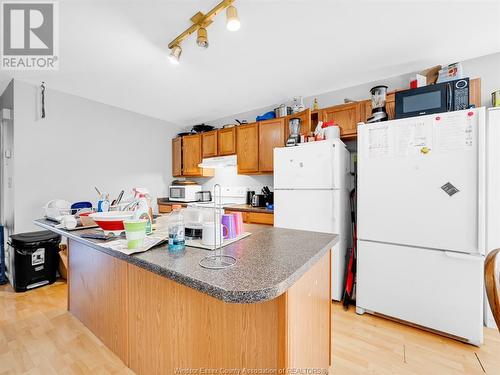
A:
(423, 100)
(177, 193)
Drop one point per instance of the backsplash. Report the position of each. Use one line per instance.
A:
(229, 176)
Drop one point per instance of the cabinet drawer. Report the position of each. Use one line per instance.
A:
(260, 218)
(164, 208)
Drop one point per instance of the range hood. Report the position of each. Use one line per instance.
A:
(218, 162)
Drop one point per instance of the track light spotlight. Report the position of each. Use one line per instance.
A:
(175, 54)
(202, 39)
(233, 22)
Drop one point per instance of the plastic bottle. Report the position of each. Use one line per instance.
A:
(143, 212)
(103, 203)
(176, 237)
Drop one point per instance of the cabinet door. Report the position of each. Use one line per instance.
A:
(271, 135)
(346, 116)
(247, 148)
(177, 157)
(390, 106)
(209, 144)
(226, 141)
(191, 155)
(475, 92)
(305, 122)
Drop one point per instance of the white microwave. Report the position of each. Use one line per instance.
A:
(183, 193)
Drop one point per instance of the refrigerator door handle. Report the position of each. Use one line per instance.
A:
(449, 97)
(463, 256)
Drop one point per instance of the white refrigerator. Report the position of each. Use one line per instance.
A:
(422, 229)
(311, 192)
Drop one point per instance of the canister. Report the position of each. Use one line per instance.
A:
(495, 98)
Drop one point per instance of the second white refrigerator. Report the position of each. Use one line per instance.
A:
(311, 192)
(422, 228)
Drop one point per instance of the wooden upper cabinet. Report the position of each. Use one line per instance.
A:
(271, 135)
(191, 155)
(247, 148)
(390, 106)
(475, 92)
(226, 144)
(209, 144)
(305, 122)
(177, 157)
(346, 116)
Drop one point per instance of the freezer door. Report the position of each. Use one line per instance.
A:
(313, 210)
(421, 181)
(319, 211)
(309, 166)
(435, 289)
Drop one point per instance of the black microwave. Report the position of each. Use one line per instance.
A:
(441, 97)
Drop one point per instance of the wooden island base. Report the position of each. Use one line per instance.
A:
(158, 326)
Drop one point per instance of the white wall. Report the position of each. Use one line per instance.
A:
(82, 144)
(7, 167)
(229, 177)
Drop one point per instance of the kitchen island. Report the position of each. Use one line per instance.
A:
(162, 313)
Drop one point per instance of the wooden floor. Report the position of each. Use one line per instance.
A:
(38, 336)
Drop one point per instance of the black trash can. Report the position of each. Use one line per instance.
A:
(36, 258)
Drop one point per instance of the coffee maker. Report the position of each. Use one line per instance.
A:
(294, 137)
(379, 97)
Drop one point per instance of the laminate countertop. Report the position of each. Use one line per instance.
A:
(269, 261)
(248, 208)
(231, 207)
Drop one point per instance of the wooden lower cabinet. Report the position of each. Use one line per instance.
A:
(167, 208)
(247, 148)
(255, 217)
(97, 295)
(271, 135)
(156, 325)
(259, 218)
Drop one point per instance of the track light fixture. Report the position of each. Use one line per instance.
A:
(175, 54)
(200, 23)
(202, 39)
(233, 22)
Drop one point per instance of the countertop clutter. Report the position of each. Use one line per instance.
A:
(268, 262)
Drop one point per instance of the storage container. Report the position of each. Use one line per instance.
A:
(35, 259)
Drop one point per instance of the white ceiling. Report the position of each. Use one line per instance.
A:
(115, 51)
